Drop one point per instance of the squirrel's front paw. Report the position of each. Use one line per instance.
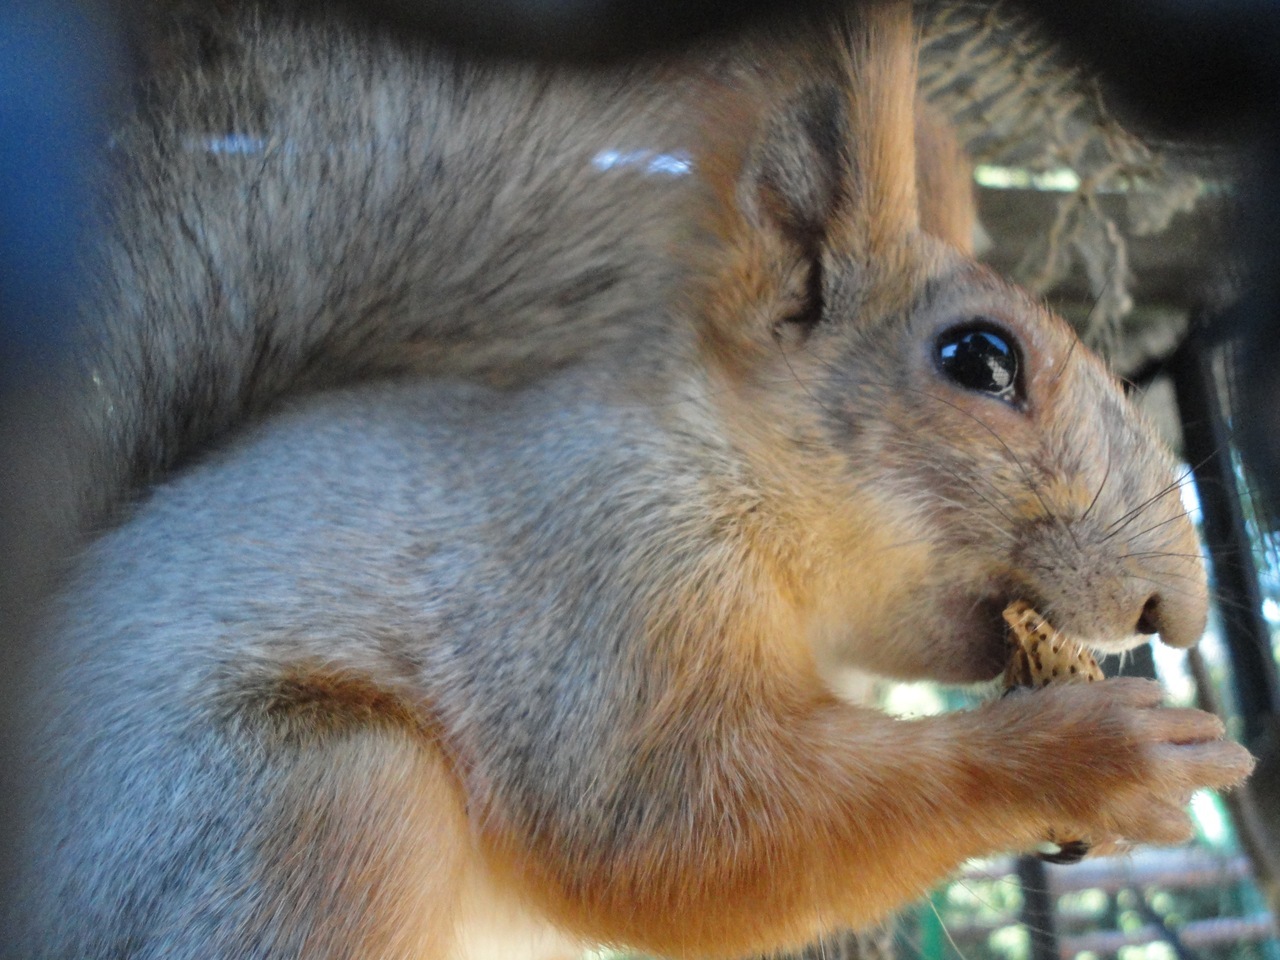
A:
(1126, 766)
(1182, 751)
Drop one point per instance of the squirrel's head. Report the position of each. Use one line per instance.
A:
(930, 441)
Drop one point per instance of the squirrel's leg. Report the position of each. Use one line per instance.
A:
(357, 835)
(366, 850)
(359, 842)
(362, 851)
(315, 818)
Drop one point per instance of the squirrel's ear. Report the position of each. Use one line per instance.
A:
(838, 162)
(797, 173)
(829, 170)
(944, 174)
(774, 203)
(883, 211)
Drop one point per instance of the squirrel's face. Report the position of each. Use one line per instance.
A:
(985, 455)
(940, 441)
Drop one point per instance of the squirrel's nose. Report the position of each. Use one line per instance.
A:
(1149, 618)
(1179, 619)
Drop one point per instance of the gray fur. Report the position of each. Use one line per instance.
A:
(319, 206)
(345, 532)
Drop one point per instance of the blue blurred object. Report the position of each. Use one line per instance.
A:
(56, 71)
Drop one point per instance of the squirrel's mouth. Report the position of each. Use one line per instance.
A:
(974, 635)
(993, 653)
(995, 612)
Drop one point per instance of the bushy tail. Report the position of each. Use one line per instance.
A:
(321, 206)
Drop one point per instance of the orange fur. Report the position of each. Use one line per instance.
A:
(882, 57)
(808, 819)
(361, 781)
(948, 208)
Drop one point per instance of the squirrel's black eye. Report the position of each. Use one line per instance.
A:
(981, 359)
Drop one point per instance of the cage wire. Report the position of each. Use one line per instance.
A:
(1018, 101)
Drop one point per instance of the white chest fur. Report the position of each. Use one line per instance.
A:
(494, 925)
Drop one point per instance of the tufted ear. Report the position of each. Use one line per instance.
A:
(826, 169)
(839, 159)
(881, 69)
(944, 174)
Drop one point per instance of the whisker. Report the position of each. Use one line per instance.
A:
(1071, 352)
(1175, 575)
(970, 481)
(1013, 883)
(1105, 475)
(947, 933)
(1163, 585)
(803, 384)
(1160, 553)
(967, 509)
(906, 543)
(1177, 484)
(1013, 457)
(1142, 533)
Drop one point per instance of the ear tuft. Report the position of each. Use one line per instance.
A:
(948, 207)
(837, 162)
(882, 57)
(809, 157)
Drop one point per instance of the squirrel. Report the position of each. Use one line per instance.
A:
(533, 648)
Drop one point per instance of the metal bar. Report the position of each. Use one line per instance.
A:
(1181, 949)
(1179, 868)
(1214, 931)
(1195, 933)
(1206, 446)
(1038, 908)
